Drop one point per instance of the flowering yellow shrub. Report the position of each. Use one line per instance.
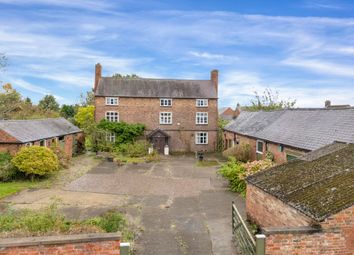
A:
(36, 160)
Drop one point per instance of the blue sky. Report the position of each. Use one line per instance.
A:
(303, 49)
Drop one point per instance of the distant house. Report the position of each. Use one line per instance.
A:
(306, 206)
(180, 114)
(289, 134)
(42, 132)
(227, 113)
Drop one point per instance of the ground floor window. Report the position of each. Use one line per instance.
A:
(28, 144)
(260, 147)
(112, 116)
(201, 138)
(42, 143)
(110, 137)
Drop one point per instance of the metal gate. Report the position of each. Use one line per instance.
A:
(245, 240)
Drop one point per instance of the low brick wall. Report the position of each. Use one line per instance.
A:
(304, 240)
(98, 244)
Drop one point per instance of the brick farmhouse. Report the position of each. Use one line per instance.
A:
(180, 114)
(289, 134)
(42, 132)
(306, 206)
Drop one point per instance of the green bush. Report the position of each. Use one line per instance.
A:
(242, 152)
(125, 132)
(136, 149)
(234, 171)
(8, 171)
(36, 160)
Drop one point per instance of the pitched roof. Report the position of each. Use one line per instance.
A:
(141, 87)
(318, 188)
(307, 129)
(33, 130)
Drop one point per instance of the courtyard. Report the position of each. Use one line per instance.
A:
(176, 206)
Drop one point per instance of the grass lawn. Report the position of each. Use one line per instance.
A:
(206, 163)
(9, 188)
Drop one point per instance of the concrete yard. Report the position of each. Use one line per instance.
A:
(179, 207)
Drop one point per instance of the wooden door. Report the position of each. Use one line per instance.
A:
(159, 144)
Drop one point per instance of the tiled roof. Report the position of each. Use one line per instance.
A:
(307, 129)
(109, 86)
(317, 188)
(33, 130)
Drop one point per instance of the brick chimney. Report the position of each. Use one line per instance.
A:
(98, 75)
(214, 77)
(327, 104)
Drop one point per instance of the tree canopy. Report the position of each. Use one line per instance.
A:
(269, 101)
(49, 103)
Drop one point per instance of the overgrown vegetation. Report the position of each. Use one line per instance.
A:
(125, 132)
(49, 221)
(269, 101)
(236, 172)
(207, 163)
(241, 152)
(7, 170)
(220, 135)
(36, 161)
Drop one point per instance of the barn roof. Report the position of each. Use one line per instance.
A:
(142, 87)
(307, 129)
(33, 130)
(318, 188)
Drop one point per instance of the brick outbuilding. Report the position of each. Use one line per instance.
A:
(290, 133)
(43, 132)
(306, 206)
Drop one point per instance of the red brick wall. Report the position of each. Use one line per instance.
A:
(268, 211)
(68, 147)
(10, 148)
(314, 244)
(97, 248)
(5, 137)
(183, 127)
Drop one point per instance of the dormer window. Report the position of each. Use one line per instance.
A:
(201, 103)
(166, 102)
(112, 100)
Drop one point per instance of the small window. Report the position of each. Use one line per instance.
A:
(110, 137)
(201, 118)
(201, 138)
(112, 116)
(28, 144)
(42, 143)
(165, 102)
(111, 100)
(165, 117)
(260, 146)
(290, 157)
(202, 102)
(280, 148)
(61, 138)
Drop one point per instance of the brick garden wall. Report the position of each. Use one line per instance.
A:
(183, 127)
(98, 244)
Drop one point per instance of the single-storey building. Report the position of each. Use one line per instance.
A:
(290, 133)
(42, 132)
(306, 206)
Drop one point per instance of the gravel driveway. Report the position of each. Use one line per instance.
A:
(182, 208)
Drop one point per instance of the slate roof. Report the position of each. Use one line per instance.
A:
(33, 130)
(307, 129)
(318, 188)
(141, 87)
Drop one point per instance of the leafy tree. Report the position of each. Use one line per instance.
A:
(85, 117)
(48, 103)
(28, 101)
(269, 101)
(88, 99)
(68, 111)
(127, 76)
(10, 101)
(36, 160)
(220, 135)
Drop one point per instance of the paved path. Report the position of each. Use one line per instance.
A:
(182, 209)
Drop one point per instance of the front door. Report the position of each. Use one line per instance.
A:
(158, 143)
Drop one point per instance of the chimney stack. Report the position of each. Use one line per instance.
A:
(98, 75)
(214, 77)
(327, 104)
